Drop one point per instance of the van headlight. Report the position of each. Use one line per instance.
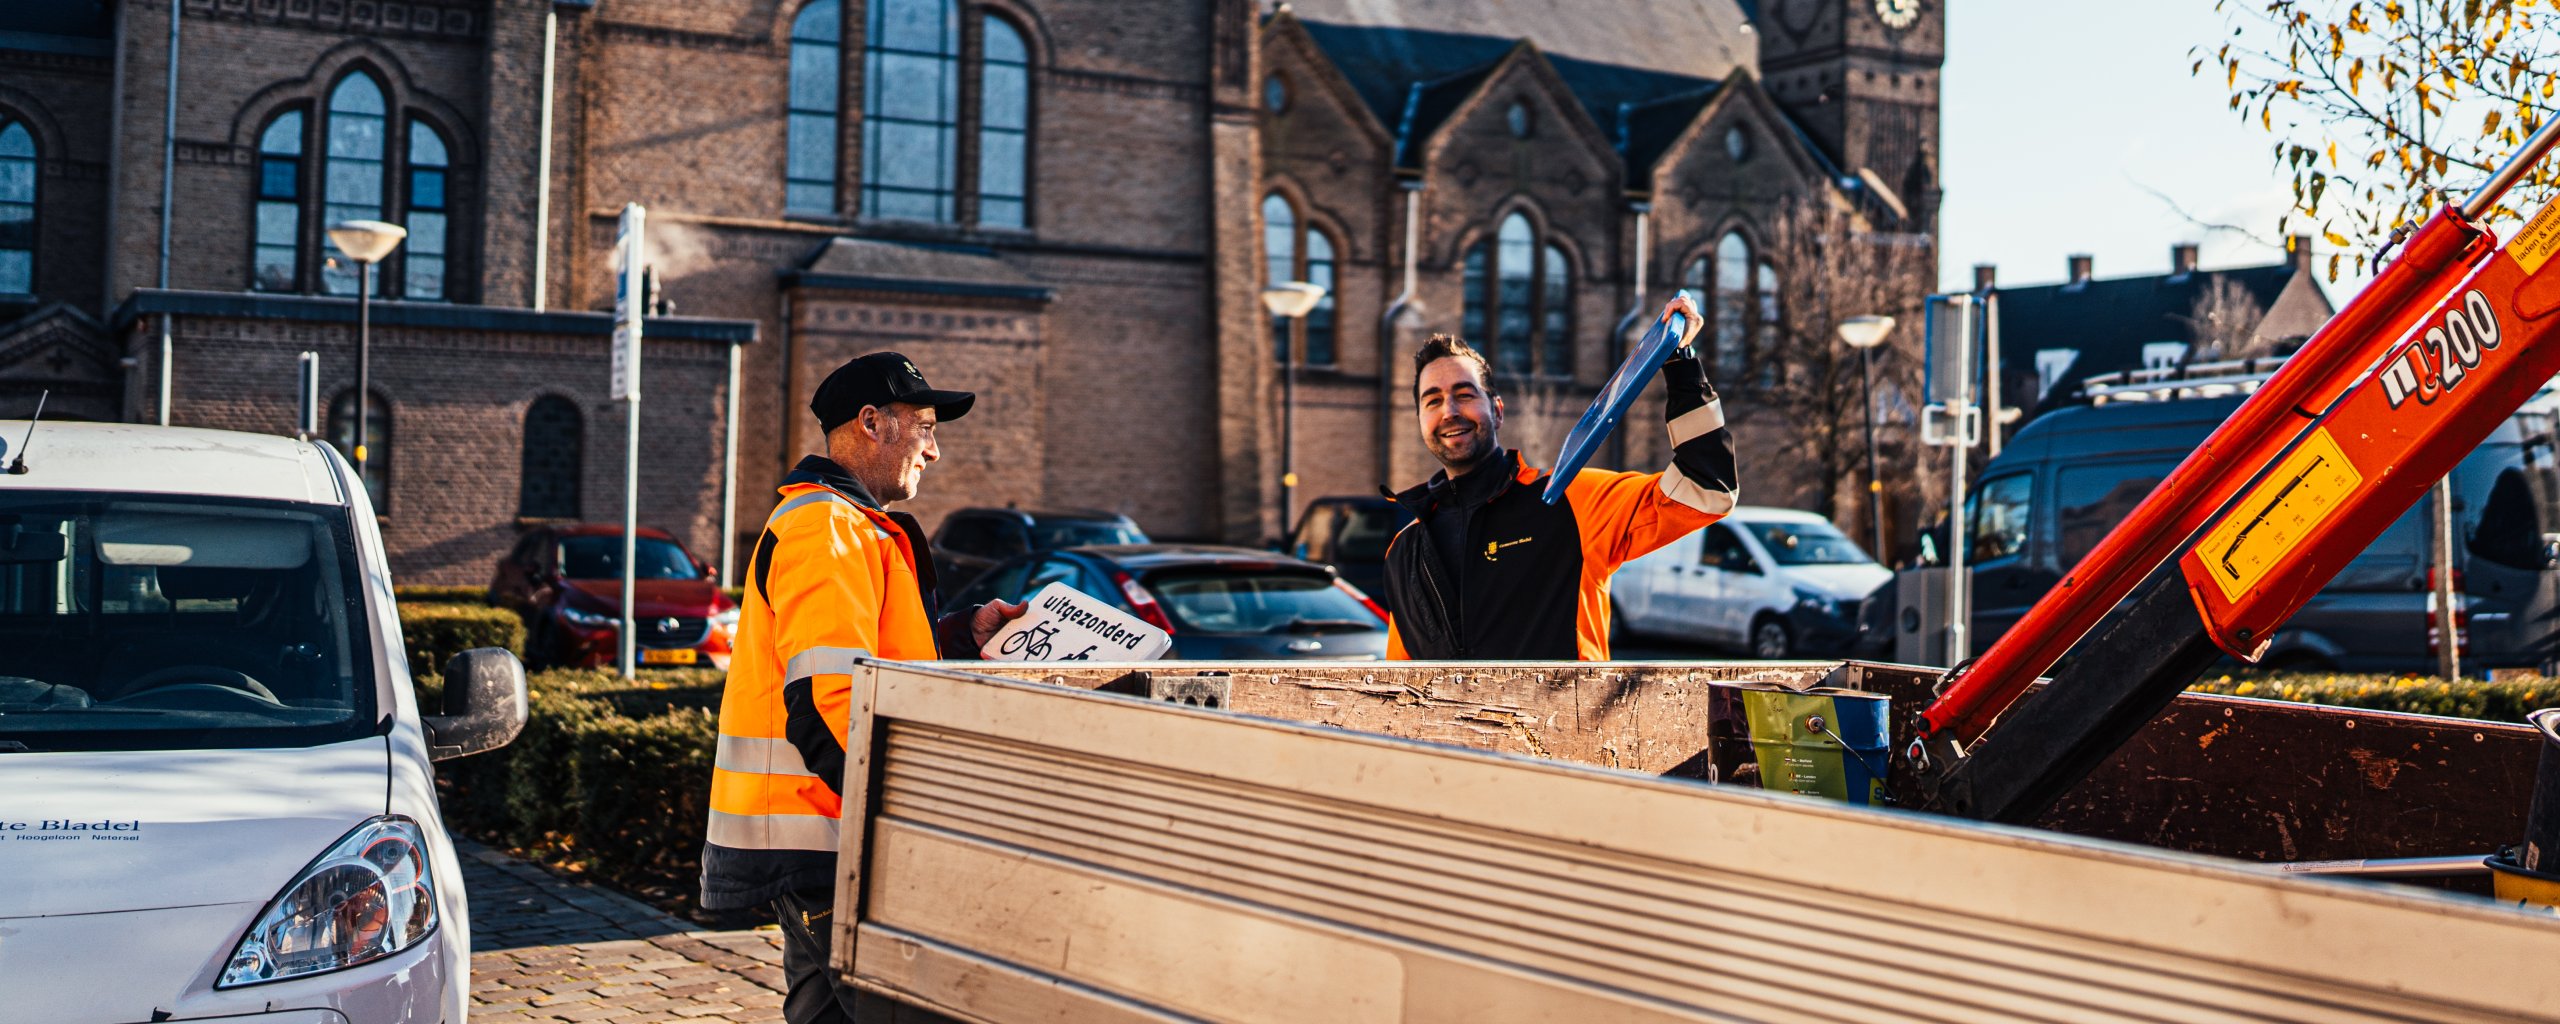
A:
(727, 619)
(591, 620)
(368, 897)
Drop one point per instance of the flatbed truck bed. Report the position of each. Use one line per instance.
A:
(1420, 842)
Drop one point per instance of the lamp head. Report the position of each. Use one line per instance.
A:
(1865, 331)
(1292, 298)
(366, 241)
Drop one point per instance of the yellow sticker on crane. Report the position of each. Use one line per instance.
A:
(2537, 240)
(2274, 517)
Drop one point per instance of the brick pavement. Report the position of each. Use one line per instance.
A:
(545, 948)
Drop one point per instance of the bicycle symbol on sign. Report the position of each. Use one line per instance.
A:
(1032, 643)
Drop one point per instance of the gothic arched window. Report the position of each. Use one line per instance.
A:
(809, 158)
(422, 256)
(554, 459)
(1279, 261)
(17, 208)
(1764, 349)
(1521, 293)
(358, 152)
(352, 169)
(276, 264)
(1725, 278)
(1319, 271)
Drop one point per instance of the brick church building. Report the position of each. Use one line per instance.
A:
(1069, 206)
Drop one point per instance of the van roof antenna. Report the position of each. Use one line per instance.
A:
(18, 466)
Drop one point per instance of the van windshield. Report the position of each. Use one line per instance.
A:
(185, 623)
(1808, 544)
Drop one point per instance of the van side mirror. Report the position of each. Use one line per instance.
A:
(484, 704)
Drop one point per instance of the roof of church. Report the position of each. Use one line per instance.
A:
(2110, 320)
(1414, 61)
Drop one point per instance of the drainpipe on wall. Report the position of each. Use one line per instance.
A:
(168, 194)
(1402, 306)
(1635, 316)
(542, 185)
(729, 480)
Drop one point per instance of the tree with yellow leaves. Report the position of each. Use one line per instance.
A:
(2383, 112)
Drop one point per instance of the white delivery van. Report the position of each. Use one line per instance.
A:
(1772, 582)
(215, 790)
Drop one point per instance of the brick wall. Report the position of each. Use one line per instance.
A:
(457, 401)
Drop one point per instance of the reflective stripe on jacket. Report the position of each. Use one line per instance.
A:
(829, 571)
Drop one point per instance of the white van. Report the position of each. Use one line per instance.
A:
(215, 790)
(1772, 582)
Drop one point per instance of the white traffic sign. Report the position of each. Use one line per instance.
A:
(1066, 624)
(631, 258)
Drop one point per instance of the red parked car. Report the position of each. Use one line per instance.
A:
(566, 581)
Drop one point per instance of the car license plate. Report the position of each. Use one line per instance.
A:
(679, 656)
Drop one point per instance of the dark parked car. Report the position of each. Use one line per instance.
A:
(972, 540)
(1351, 534)
(1219, 603)
(566, 581)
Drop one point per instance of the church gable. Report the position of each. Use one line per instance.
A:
(1524, 123)
(64, 352)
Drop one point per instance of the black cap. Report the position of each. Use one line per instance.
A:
(879, 379)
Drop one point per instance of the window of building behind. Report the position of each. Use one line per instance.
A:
(1519, 296)
(17, 208)
(1293, 250)
(422, 257)
(809, 178)
(1004, 125)
(911, 110)
(554, 459)
(276, 264)
(351, 182)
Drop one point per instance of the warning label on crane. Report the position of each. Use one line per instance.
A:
(2256, 535)
(2537, 240)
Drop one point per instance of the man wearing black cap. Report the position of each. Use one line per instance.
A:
(832, 569)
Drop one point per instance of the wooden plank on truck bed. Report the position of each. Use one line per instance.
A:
(1032, 852)
(2228, 776)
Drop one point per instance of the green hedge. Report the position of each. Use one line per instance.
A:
(434, 633)
(2501, 701)
(441, 595)
(609, 778)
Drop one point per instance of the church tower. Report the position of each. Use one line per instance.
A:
(1862, 77)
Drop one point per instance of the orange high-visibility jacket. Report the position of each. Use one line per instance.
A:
(830, 570)
(1516, 578)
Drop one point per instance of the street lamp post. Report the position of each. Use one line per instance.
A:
(366, 242)
(1290, 301)
(1864, 333)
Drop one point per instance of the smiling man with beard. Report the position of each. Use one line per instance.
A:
(1487, 570)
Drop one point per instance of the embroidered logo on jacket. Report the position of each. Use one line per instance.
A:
(1493, 550)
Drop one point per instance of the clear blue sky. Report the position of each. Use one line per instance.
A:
(2056, 117)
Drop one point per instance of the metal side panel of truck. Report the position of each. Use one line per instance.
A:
(1032, 851)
